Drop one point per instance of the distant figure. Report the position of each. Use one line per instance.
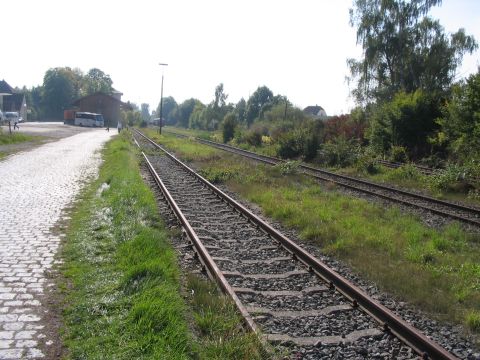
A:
(15, 125)
(108, 128)
(119, 127)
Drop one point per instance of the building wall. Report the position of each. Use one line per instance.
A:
(105, 105)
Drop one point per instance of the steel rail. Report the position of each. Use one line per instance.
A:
(424, 346)
(206, 260)
(395, 165)
(314, 172)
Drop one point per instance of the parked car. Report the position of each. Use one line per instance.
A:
(12, 117)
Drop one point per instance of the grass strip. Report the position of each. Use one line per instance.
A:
(122, 285)
(6, 139)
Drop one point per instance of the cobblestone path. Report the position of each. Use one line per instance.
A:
(35, 187)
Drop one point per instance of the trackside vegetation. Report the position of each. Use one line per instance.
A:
(437, 270)
(124, 294)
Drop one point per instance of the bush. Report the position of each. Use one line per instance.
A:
(228, 127)
(253, 138)
(405, 172)
(457, 178)
(341, 152)
(398, 154)
(288, 167)
(298, 143)
(290, 146)
(366, 164)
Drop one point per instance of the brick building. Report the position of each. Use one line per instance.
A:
(107, 105)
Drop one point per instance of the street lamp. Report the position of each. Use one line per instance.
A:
(161, 100)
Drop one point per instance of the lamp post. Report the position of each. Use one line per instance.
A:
(161, 101)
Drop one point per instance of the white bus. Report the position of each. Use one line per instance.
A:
(89, 119)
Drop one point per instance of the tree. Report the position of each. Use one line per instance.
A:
(258, 103)
(220, 97)
(403, 49)
(228, 127)
(406, 121)
(460, 123)
(184, 111)
(145, 112)
(58, 91)
(168, 110)
(197, 117)
(240, 110)
(96, 80)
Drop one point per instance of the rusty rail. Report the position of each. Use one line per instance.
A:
(424, 346)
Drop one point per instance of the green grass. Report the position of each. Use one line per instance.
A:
(219, 325)
(438, 270)
(15, 137)
(122, 285)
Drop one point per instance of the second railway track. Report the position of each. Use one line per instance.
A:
(456, 211)
(284, 293)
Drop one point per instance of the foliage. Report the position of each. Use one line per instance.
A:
(405, 172)
(61, 86)
(347, 126)
(198, 117)
(299, 142)
(340, 152)
(460, 123)
(183, 111)
(288, 167)
(131, 118)
(97, 81)
(220, 97)
(58, 91)
(457, 178)
(228, 127)
(403, 49)
(145, 112)
(240, 110)
(169, 107)
(398, 154)
(408, 120)
(253, 137)
(258, 103)
(366, 164)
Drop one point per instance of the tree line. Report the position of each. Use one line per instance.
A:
(61, 87)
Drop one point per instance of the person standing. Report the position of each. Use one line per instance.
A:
(119, 127)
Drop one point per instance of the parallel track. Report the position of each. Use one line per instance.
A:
(423, 169)
(459, 212)
(284, 294)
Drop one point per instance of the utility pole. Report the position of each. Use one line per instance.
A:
(161, 101)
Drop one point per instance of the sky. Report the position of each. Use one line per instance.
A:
(297, 48)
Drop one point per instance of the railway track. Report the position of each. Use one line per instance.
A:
(455, 211)
(395, 165)
(285, 295)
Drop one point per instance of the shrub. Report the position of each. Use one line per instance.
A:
(228, 127)
(288, 167)
(298, 143)
(366, 164)
(290, 145)
(405, 172)
(457, 178)
(253, 138)
(398, 154)
(473, 320)
(341, 152)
